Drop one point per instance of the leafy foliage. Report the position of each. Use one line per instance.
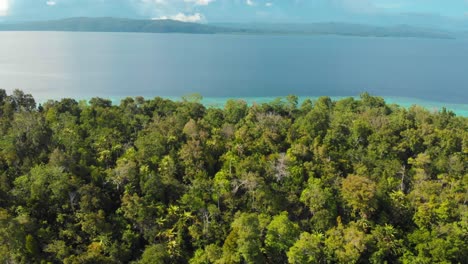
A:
(158, 181)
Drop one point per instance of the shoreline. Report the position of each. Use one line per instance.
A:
(405, 102)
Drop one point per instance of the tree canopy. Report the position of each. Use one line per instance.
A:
(160, 181)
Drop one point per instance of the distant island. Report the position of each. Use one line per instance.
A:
(86, 24)
(109, 24)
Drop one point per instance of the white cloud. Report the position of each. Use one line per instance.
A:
(51, 3)
(197, 17)
(177, 2)
(154, 2)
(250, 2)
(268, 4)
(199, 2)
(186, 10)
(4, 6)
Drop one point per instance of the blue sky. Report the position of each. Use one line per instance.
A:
(430, 12)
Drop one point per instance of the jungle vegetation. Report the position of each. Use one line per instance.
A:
(160, 181)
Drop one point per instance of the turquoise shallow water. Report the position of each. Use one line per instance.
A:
(458, 109)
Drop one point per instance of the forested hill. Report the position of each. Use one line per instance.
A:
(109, 24)
(344, 29)
(158, 181)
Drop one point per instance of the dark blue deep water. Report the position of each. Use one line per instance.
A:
(84, 65)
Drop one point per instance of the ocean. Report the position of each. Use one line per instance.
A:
(51, 65)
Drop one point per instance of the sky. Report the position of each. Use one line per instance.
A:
(431, 12)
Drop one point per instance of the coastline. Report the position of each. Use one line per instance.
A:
(406, 102)
(458, 109)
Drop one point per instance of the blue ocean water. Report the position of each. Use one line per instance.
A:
(53, 65)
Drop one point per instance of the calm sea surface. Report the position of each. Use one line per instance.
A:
(52, 65)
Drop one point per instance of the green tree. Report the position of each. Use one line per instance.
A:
(308, 249)
(247, 230)
(321, 203)
(346, 244)
(359, 193)
(155, 254)
(280, 236)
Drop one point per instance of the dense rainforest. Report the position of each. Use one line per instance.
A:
(159, 181)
